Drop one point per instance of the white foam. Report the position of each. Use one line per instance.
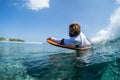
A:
(113, 29)
(23, 42)
(34, 42)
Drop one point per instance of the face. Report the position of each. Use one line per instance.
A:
(74, 30)
(71, 32)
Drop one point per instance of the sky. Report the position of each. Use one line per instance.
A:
(36, 20)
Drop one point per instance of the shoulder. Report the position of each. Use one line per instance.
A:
(82, 34)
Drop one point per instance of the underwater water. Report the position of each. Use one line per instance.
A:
(23, 61)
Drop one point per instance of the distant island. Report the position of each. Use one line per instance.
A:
(11, 39)
(2, 39)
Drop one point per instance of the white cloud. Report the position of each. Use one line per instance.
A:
(37, 4)
(118, 1)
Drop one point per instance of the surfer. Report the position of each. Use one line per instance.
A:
(77, 38)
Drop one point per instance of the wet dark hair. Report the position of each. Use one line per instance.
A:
(74, 29)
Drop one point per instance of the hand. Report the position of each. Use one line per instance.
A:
(49, 38)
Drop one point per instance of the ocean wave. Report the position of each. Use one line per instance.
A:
(113, 30)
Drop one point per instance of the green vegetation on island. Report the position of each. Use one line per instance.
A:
(16, 40)
(11, 39)
(2, 39)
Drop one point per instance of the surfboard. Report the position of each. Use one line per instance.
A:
(67, 46)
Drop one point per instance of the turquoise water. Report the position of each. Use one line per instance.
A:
(23, 61)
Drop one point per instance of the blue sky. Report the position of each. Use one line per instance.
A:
(35, 20)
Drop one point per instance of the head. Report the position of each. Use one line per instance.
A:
(74, 29)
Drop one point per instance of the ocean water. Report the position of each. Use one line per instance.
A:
(24, 61)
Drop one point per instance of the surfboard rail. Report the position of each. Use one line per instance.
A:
(49, 40)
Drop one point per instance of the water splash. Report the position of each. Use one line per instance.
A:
(113, 30)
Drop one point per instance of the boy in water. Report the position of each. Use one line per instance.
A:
(77, 38)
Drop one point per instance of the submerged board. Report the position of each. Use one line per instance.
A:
(67, 46)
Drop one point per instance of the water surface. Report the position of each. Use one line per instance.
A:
(23, 61)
